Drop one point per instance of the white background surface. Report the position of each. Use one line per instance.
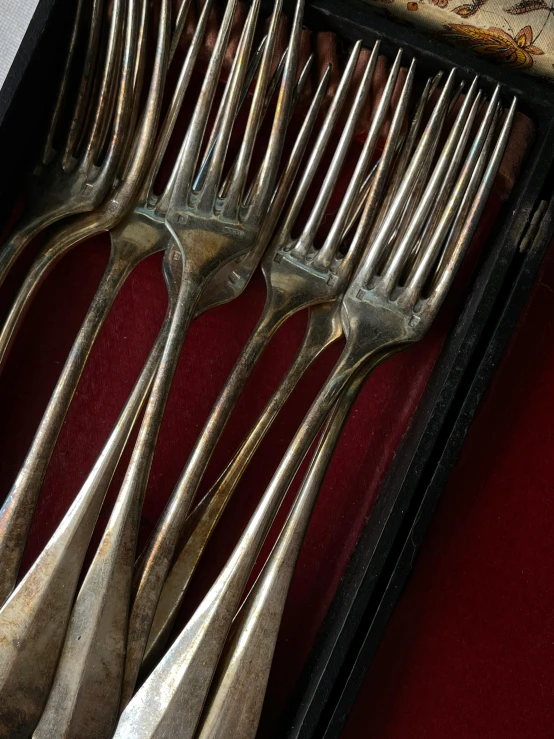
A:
(15, 16)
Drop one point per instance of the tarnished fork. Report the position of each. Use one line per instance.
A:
(314, 287)
(53, 577)
(236, 700)
(131, 241)
(174, 693)
(77, 177)
(289, 290)
(214, 229)
(96, 632)
(324, 327)
(123, 178)
(33, 620)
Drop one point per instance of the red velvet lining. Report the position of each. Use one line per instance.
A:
(469, 651)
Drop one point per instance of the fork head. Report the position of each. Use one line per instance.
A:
(215, 227)
(76, 176)
(388, 304)
(295, 270)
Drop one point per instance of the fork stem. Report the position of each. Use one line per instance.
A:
(34, 620)
(17, 512)
(160, 550)
(324, 328)
(99, 619)
(172, 698)
(236, 698)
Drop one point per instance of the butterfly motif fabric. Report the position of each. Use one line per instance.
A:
(519, 34)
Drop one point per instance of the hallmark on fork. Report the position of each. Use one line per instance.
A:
(233, 231)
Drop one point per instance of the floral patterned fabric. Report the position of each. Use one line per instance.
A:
(518, 33)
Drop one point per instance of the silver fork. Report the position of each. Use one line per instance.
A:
(380, 322)
(324, 328)
(106, 217)
(236, 699)
(139, 235)
(30, 633)
(174, 694)
(214, 230)
(130, 244)
(191, 686)
(97, 626)
(54, 575)
(72, 180)
(284, 298)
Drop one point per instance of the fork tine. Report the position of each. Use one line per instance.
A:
(180, 21)
(475, 206)
(441, 200)
(62, 92)
(268, 98)
(400, 154)
(267, 175)
(371, 202)
(108, 76)
(86, 86)
(145, 138)
(402, 250)
(237, 182)
(469, 194)
(171, 116)
(119, 130)
(326, 254)
(190, 150)
(407, 149)
(428, 253)
(250, 74)
(138, 80)
(306, 239)
(211, 185)
(434, 125)
(300, 85)
(298, 150)
(283, 234)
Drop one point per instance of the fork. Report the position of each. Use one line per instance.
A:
(374, 324)
(324, 328)
(214, 230)
(236, 699)
(196, 675)
(130, 243)
(97, 626)
(54, 575)
(155, 563)
(77, 177)
(21, 687)
(60, 709)
(174, 694)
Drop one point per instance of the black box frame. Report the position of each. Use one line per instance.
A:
(385, 553)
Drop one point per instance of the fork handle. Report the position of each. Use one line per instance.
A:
(97, 630)
(324, 328)
(171, 699)
(17, 512)
(33, 622)
(160, 550)
(236, 697)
